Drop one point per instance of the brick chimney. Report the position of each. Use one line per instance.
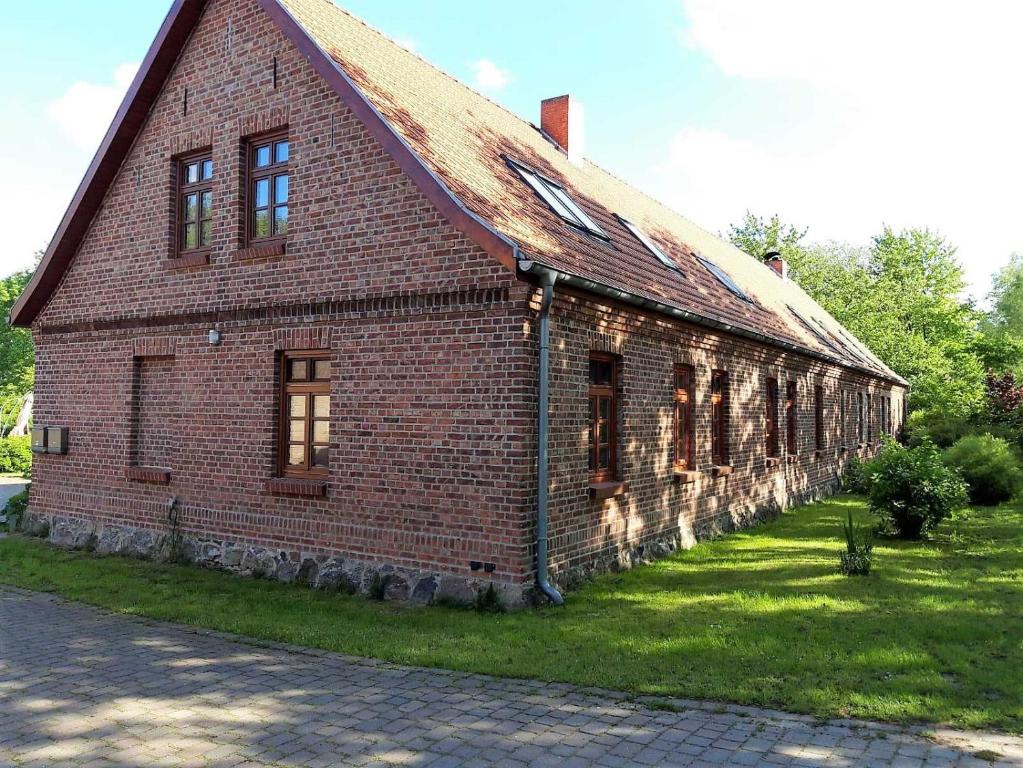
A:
(774, 260)
(562, 119)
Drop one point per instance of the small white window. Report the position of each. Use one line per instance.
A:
(557, 198)
(724, 278)
(651, 246)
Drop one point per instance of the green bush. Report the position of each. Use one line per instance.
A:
(16, 505)
(859, 550)
(853, 480)
(15, 455)
(990, 467)
(912, 489)
(936, 427)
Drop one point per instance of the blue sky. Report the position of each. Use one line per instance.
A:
(838, 116)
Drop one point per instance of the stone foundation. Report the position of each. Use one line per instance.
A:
(319, 571)
(386, 582)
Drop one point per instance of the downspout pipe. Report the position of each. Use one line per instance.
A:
(547, 280)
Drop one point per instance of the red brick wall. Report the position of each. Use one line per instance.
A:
(434, 393)
(429, 460)
(155, 412)
(655, 506)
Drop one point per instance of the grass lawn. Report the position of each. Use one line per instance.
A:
(763, 617)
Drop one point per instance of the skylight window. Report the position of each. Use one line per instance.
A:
(557, 198)
(855, 348)
(724, 279)
(817, 332)
(651, 246)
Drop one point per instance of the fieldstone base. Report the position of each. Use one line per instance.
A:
(384, 582)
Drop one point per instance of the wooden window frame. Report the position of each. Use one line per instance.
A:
(183, 189)
(792, 418)
(870, 419)
(771, 434)
(682, 433)
(310, 387)
(609, 473)
(719, 404)
(860, 431)
(270, 172)
(818, 418)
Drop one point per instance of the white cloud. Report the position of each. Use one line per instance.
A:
(407, 43)
(490, 77)
(85, 110)
(915, 121)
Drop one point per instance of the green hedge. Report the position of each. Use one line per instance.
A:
(15, 455)
(990, 467)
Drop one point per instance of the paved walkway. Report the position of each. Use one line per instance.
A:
(81, 687)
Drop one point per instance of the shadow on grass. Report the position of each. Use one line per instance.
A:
(761, 617)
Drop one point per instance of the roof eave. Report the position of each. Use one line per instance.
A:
(589, 286)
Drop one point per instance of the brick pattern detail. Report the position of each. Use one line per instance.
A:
(292, 339)
(190, 141)
(152, 475)
(154, 346)
(155, 406)
(265, 120)
(291, 487)
(265, 251)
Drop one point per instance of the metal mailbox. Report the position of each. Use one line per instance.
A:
(56, 440)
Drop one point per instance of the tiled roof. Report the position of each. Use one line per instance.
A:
(455, 144)
(465, 139)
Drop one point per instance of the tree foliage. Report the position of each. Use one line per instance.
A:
(16, 350)
(901, 296)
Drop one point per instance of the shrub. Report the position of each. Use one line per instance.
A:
(488, 601)
(853, 479)
(912, 489)
(859, 550)
(15, 455)
(16, 505)
(990, 467)
(936, 427)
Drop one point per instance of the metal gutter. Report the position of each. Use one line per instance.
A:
(547, 280)
(574, 281)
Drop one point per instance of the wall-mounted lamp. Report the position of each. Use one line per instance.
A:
(214, 337)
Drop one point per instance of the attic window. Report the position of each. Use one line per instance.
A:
(651, 246)
(557, 198)
(813, 330)
(854, 347)
(724, 279)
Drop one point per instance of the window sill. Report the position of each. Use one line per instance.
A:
(151, 475)
(722, 470)
(291, 486)
(685, 476)
(607, 490)
(187, 261)
(263, 250)
(772, 462)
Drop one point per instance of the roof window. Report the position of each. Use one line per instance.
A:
(557, 198)
(651, 246)
(724, 279)
(818, 333)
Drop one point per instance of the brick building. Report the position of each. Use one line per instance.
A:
(324, 313)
